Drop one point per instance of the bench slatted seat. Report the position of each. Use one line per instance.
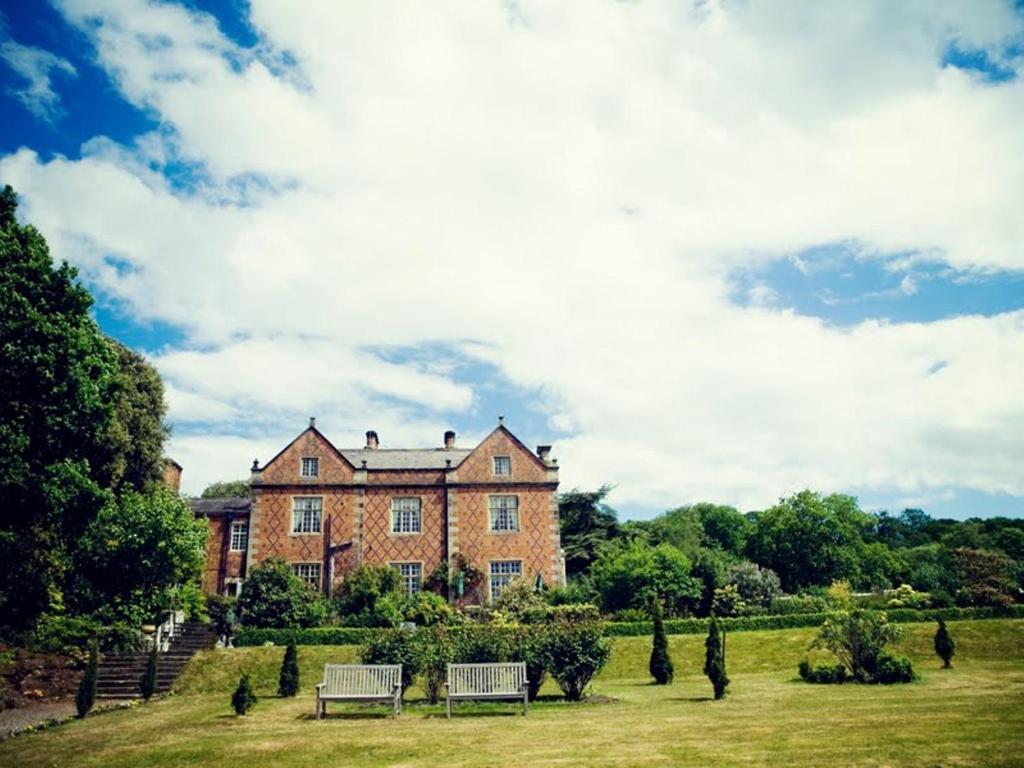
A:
(487, 681)
(360, 682)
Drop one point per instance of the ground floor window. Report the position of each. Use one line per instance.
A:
(308, 572)
(233, 587)
(502, 574)
(412, 576)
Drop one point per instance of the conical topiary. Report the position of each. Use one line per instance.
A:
(86, 695)
(288, 683)
(661, 663)
(244, 696)
(714, 660)
(944, 645)
(147, 684)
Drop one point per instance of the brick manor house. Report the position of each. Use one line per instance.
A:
(326, 511)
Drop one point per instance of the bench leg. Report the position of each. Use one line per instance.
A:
(398, 705)
(319, 713)
(526, 702)
(448, 701)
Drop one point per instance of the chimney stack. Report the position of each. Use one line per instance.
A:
(544, 452)
(449, 439)
(371, 441)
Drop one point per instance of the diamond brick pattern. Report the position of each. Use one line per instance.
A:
(478, 467)
(381, 546)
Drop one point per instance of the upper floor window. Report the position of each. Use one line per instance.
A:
(310, 467)
(239, 536)
(412, 576)
(504, 513)
(405, 514)
(308, 572)
(502, 573)
(306, 514)
(502, 465)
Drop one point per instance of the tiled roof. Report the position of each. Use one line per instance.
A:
(405, 458)
(219, 506)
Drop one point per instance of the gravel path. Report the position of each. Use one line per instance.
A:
(14, 720)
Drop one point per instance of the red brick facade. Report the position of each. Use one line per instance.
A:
(327, 511)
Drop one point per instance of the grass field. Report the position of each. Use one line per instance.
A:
(970, 715)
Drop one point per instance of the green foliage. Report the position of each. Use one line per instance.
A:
(576, 591)
(729, 602)
(86, 695)
(147, 683)
(228, 489)
(136, 554)
(944, 645)
(576, 652)
(274, 597)
(58, 376)
(823, 673)
(680, 528)
(628, 574)
(530, 645)
(857, 637)
(757, 586)
(809, 539)
(891, 669)
(709, 570)
(253, 636)
(908, 597)
(587, 524)
(223, 613)
(714, 660)
(370, 596)
(435, 650)
(986, 577)
(428, 609)
(394, 646)
(288, 682)
(520, 600)
(724, 527)
(69, 635)
(660, 665)
(244, 697)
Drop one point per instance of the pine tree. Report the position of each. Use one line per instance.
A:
(944, 645)
(288, 683)
(714, 660)
(244, 697)
(147, 684)
(86, 695)
(661, 662)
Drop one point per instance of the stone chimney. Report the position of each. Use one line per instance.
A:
(172, 474)
(449, 439)
(372, 443)
(544, 453)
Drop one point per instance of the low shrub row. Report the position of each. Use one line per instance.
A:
(797, 620)
(250, 636)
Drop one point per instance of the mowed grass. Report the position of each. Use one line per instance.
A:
(970, 715)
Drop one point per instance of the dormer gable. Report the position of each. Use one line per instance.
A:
(502, 458)
(309, 459)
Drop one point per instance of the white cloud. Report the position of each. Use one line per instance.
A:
(564, 195)
(35, 67)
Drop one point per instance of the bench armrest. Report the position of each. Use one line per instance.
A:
(319, 686)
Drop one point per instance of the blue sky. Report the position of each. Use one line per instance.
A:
(761, 252)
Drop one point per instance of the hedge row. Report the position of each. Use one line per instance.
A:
(797, 620)
(362, 635)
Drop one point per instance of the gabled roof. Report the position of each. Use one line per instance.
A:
(405, 458)
(209, 507)
(316, 432)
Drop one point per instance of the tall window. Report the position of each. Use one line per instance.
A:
(239, 536)
(412, 576)
(502, 465)
(504, 512)
(502, 574)
(306, 514)
(405, 514)
(308, 572)
(310, 467)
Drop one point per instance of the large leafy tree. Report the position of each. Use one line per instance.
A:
(58, 376)
(587, 524)
(809, 539)
(229, 489)
(629, 574)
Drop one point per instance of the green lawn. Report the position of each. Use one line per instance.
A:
(970, 715)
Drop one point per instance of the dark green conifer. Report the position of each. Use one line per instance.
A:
(944, 645)
(86, 695)
(288, 683)
(244, 696)
(661, 663)
(714, 660)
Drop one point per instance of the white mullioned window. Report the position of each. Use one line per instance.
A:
(310, 467)
(502, 574)
(308, 572)
(405, 514)
(504, 513)
(502, 465)
(412, 576)
(306, 514)
(239, 536)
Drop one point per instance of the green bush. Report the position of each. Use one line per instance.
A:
(70, 635)
(575, 592)
(86, 695)
(660, 664)
(530, 645)
(223, 613)
(274, 597)
(394, 646)
(288, 682)
(248, 636)
(823, 673)
(891, 669)
(244, 696)
(435, 650)
(576, 652)
(857, 637)
(370, 596)
(428, 609)
(944, 645)
(788, 604)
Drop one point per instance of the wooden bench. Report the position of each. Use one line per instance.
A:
(360, 682)
(487, 681)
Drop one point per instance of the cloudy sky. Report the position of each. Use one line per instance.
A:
(718, 250)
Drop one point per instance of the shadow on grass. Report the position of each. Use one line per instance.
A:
(346, 716)
(692, 698)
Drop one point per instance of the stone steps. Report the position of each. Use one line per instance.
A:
(119, 674)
